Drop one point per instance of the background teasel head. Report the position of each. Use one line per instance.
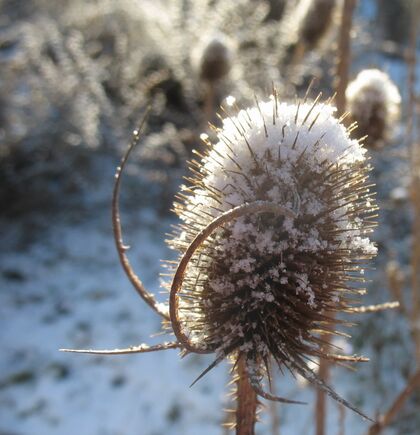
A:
(214, 58)
(374, 103)
(316, 19)
(285, 191)
(308, 24)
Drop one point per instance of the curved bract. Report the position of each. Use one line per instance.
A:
(241, 210)
(116, 223)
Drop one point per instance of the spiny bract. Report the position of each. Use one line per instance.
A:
(267, 284)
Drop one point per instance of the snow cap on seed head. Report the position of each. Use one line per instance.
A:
(374, 101)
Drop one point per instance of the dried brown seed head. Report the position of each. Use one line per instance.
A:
(265, 282)
(214, 58)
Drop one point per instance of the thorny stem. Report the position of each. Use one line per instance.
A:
(342, 75)
(247, 402)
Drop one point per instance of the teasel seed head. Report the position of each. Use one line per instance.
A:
(214, 58)
(274, 236)
(374, 101)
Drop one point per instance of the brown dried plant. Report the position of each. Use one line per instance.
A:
(273, 240)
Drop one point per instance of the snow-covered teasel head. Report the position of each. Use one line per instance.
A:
(274, 233)
(374, 101)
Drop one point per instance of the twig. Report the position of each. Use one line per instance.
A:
(393, 410)
(142, 348)
(376, 308)
(342, 74)
(274, 414)
(341, 419)
(415, 188)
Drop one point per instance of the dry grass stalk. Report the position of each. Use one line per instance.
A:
(413, 110)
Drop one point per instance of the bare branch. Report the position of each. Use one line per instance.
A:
(349, 358)
(142, 348)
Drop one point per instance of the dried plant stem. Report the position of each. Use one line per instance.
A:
(342, 75)
(247, 402)
(209, 101)
(393, 410)
(415, 189)
(273, 409)
(342, 72)
(396, 281)
(341, 419)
